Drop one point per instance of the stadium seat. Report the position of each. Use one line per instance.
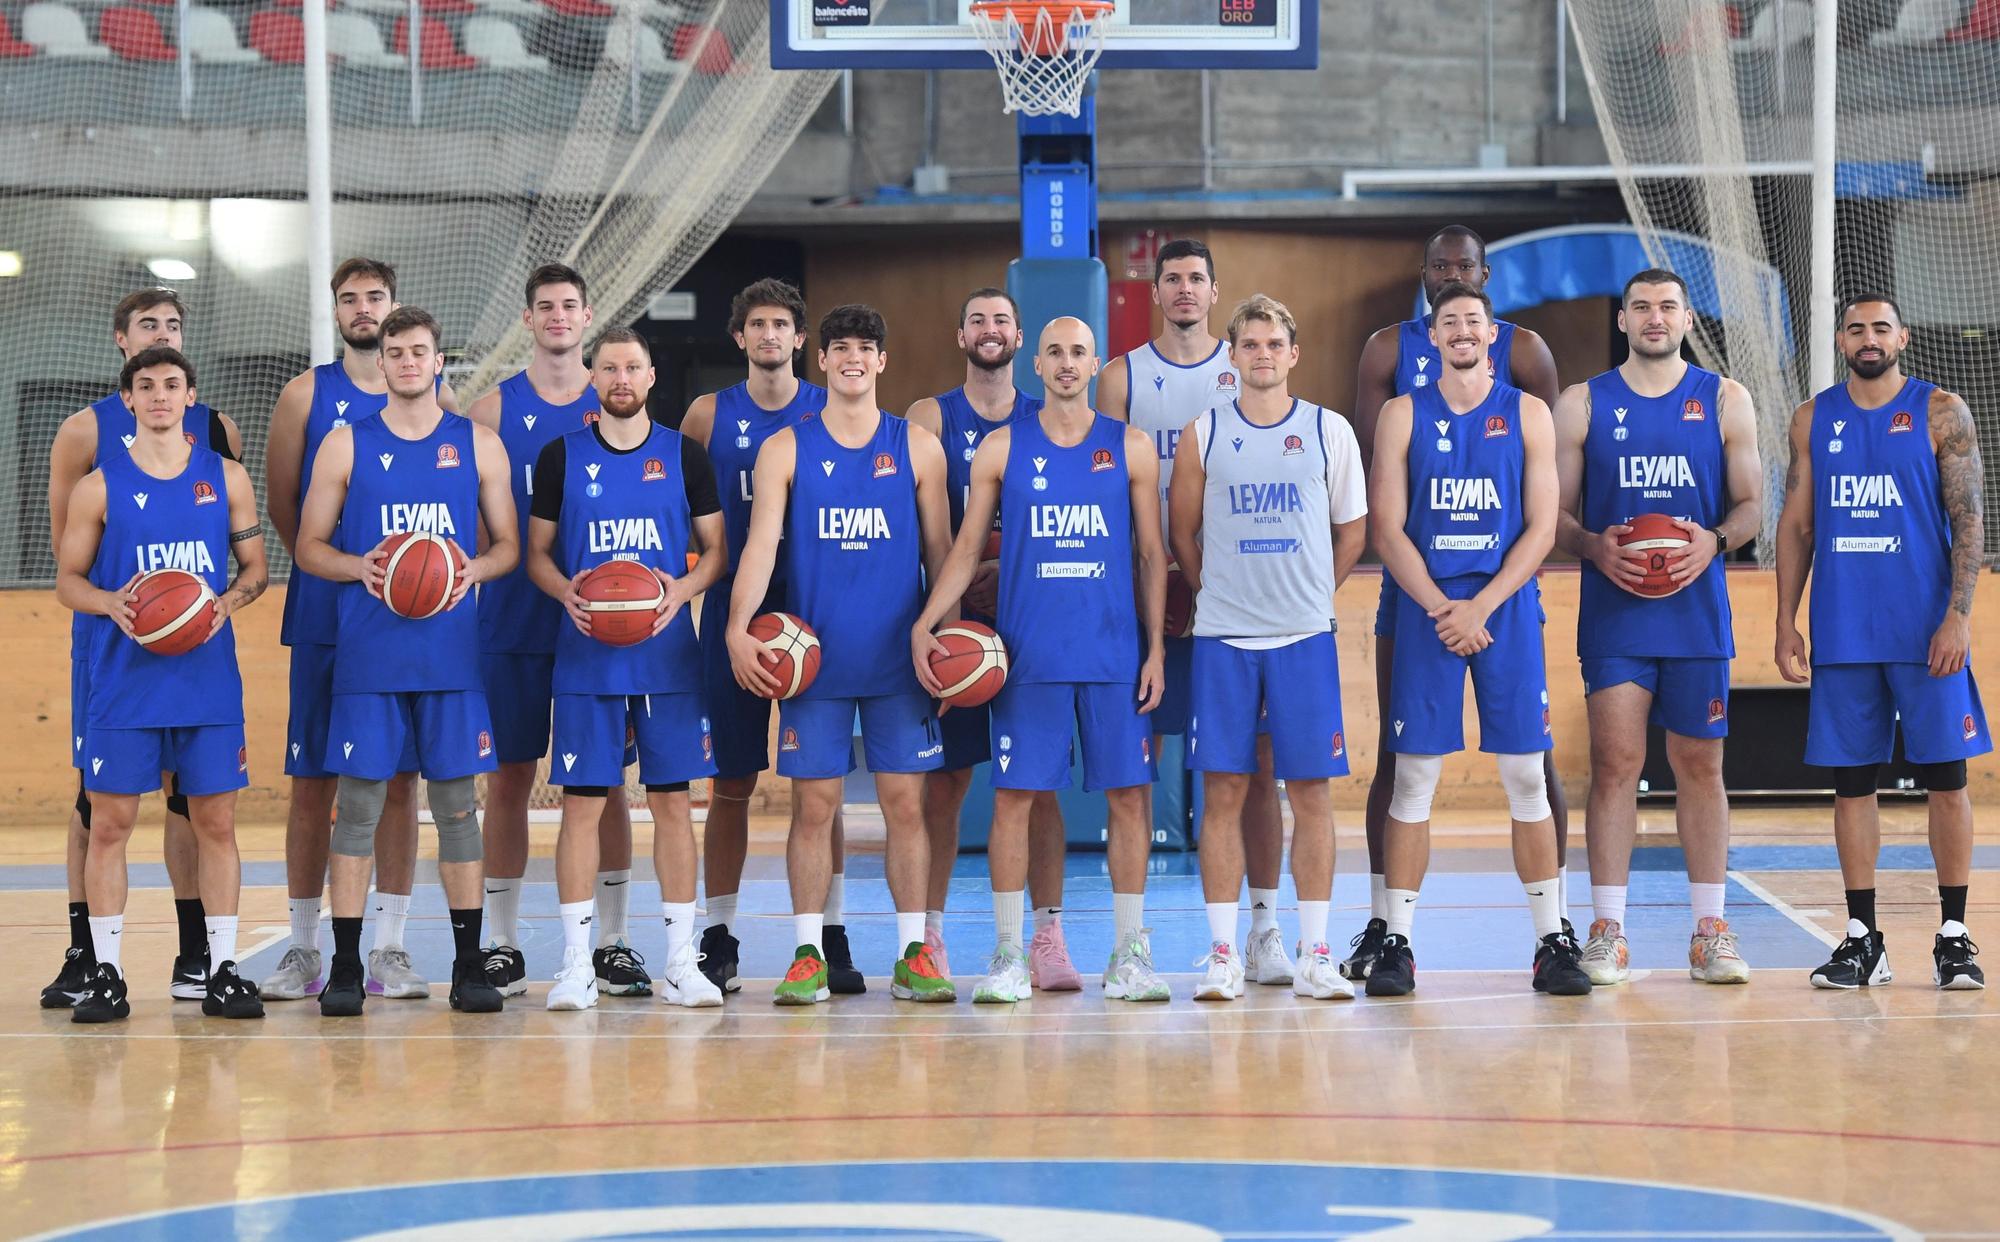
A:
(1982, 25)
(279, 37)
(439, 50)
(134, 34)
(59, 31)
(715, 57)
(653, 56)
(1920, 22)
(497, 43)
(358, 43)
(510, 8)
(580, 8)
(211, 37)
(10, 47)
(1763, 36)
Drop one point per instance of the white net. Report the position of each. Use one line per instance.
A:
(1044, 52)
(1729, 86)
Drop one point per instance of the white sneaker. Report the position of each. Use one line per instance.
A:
(685, 985)
(1319, 975)
(1224, 977)
(298, 976)
(576, 983)
(390, 975)
(1607, 959)
(1006, 980)
(1264, 958)
(1130, 974)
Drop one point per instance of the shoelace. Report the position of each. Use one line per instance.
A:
(625, 957)
(1215, 956)
(1962, 946)
(1851, 950)
(921, 963)
(396, 957)
(1725, 946)
(803, 968)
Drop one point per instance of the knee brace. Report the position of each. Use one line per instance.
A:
(454, 807)
(1856, 781)
(1416, 783)
(586, 791)
(82, 802)
(1942, 777)
(1527, 789)
(177, 803)
(669, 787)
(357, 812)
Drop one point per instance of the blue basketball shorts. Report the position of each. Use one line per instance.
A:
(1509, 680)
(899, 733)
(79, 709)
(1690, 696)
(740, 721)
(205, 759)
(1032, 735)
(1171, 716)
(517, 697)
(594, 734)
(442, 734)
(312, 703)
(968, 736)
(1385, 611)
(1293, 692)
(1852, 716)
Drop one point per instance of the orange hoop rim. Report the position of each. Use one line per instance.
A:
(1025, 11)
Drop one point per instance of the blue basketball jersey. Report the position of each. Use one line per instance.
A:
(514, 614)
(627, 505)
(152, 523)
(396, 485)
(1881, 575)
(117, 426)
(312, 605)
(1465, 482)
(1068, 612)
(1654, 455)
(963, 430)
(741, 427)
(1418, 363)
(856, 553)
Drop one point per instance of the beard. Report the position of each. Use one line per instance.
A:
(624, 408)
(1875, 367)
(361, 338)
(1665, 350)
(977, 359)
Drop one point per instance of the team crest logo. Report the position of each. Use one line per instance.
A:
(631, 734)
(1339, 745)
(590, 416)
(655, 470)
(1900, 421)
(1101, 460)
(447, 456)
(1545, 721)
(1496, 426)
(790, 741)
(242, 758)
(707, 747)
(485, 743)
(204, 492)
(1146, 749)
(188, 436)
(885, 465)
(1971, 728)
(1716, 712)
(1226, 380)
(1692, 411)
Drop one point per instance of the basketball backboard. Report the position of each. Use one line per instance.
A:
(1140, 34)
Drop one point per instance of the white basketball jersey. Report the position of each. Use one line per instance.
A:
(1163, 398)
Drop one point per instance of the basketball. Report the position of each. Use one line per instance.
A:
(797, 648)
(172, 611)
(1652, 536)
(420, 574)
(992, 552)
(623, 598)
(1180, 605)
(973, 665)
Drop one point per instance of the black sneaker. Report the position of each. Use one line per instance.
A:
(1559, 966)
(841, 977)
(1395, 970)
(1857, 962)
(346, 988)
(103, 998)
(1954, 970)
(70, 981)
(190, 977)
(621, 971)
(230, 995)
(1367, 947)
(472, 987)
(718, 958)
(505, 969)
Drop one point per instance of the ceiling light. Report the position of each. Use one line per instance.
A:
(171, 269)
(10, 263)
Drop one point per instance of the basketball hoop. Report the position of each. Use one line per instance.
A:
(1044, 50)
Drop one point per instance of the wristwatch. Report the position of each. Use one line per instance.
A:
(1721, 539)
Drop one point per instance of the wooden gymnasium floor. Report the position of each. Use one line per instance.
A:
(1473, 1110)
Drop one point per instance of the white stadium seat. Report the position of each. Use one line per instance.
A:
(211, 38)
(59, 31)
(357, 42)
(1920, 22)
(1763, 34)
(497, 43)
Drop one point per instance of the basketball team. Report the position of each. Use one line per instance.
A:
(1161, 561)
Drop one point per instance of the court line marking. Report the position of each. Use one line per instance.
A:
(1785, 908)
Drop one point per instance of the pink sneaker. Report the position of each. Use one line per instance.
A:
(934, 941)
(1049, 966)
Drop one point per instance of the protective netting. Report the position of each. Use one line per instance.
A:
(1730, 86)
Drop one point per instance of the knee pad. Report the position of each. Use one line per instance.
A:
(357, 811)
(1942, 777)
(82, 802)
(1527, 789)
(454, 807)
(1856, 781)
(1416, 783)
(586, 791)
(669, 787)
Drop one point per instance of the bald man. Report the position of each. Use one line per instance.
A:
(1076, 493)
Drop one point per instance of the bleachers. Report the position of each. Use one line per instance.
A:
(12, 48)
(59, 31)
(134, 34)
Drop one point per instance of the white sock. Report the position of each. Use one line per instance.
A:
(721, 910)
(392, 911)
(1378, 897)
(836, 901)
(934, 924)
(1047, 915)
(503, 911)
(1128, 916)
(576, 917)
(1607, 902)
(614, 898)
(1007, 920)
(305, 922)
(1545, 905)
(909, 929)
(1399, 907)
(107, 934)
(1313, 916)
(810, 930)
(1562, 889)
(1706, 900)
(221, 939)
(1263, 910)
(1221, 922)
(680, 925)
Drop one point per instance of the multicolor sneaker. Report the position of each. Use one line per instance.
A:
(620, 970)
(934, 941)
(1713, 955)
(1952, 952)
(297, 976)
(1006, 980)
(390, 975)
(1222, 973)
(918, 978)
(805, 982)
(1367, 945)
(1318, 976)
(1130, 975)
(1049, 967)
(1265, 960)
(1607, 959)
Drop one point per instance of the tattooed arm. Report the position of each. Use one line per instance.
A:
(1962, 482)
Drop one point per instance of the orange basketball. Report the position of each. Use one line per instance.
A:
(172, 611)
(797, 649)
(1652, 537)
(992, 552)
(1180, 605)
(973, 665)
(421, 573)
(623, 598)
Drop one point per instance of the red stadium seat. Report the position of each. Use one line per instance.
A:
(1982, 25)
(133, 34)
(580, 8)
(279, 37)
(12, 48)
(440, 49)
(715, 58)
(449, 6)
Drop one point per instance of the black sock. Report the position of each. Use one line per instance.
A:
(1952, 898)
(346, 937)
(1861, 906)
(465, 933)
(79, 930)
(194, 927)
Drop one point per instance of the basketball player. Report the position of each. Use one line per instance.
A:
(623, 488)
(1656, 435)
(335, 394)
(1397, 361)
(85, 441)
(406, 693)
(1076, 495)
(531, 409)
(1270, 513)
(857, 496)
(1159, 388)
(1893, 539)
(167, 503)
(989, 334)
(767, 321)
(1462, 507)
